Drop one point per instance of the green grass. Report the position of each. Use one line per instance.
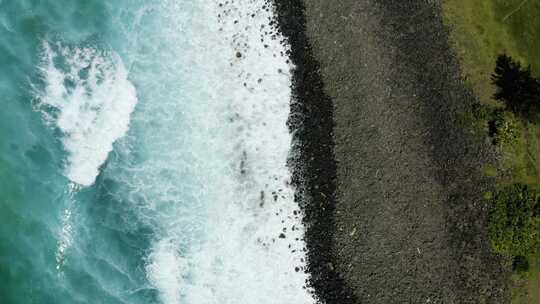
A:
(484, 29)
(481, 30)
(527, 285)
(521, 158)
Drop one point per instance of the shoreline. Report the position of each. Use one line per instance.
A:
(393, 181)
(313, 163)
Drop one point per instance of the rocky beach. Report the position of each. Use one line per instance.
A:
(393, 182)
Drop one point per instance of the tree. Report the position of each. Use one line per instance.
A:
(517, 88)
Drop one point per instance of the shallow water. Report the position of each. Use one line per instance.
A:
(144, 154)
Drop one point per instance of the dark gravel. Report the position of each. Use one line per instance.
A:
(392, 182)
(311, 123)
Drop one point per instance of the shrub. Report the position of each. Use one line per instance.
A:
(514, 227)
(520, 264)
(502, 128)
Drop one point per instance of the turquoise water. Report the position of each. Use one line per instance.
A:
(143, 150)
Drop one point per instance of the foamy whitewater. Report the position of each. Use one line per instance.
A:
(91, 101)
(173, 128)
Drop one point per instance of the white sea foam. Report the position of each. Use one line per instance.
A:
(65, 237)
(208, 147)
(89, 99)
(165, 270)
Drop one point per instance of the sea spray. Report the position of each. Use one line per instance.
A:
(211, 146)
(89, 99)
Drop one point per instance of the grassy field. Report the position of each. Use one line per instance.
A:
(484, 29)
(481, 30)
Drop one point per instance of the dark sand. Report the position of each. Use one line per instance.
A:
(398, 217)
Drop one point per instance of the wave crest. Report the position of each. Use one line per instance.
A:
(86, 96)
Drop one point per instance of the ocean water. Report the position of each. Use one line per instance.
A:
(143, 154)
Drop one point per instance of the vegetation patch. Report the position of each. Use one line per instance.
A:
(498, 44)
(484, 29)
(515, 231)
(515, 223)
(527, 283)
